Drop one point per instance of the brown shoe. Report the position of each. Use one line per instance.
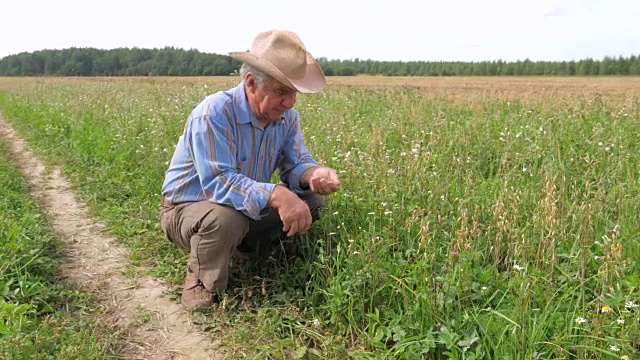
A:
(195, 297)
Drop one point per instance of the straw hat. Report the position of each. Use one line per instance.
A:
(282, 55)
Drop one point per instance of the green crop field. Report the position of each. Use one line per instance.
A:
(479, 218)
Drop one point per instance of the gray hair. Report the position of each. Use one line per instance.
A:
(262, 79)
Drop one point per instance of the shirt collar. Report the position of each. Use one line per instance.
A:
(244, 115)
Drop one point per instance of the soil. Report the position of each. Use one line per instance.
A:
(152, 326)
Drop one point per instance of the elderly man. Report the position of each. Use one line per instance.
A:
(218, 199)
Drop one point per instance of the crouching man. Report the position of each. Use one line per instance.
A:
(217, 195)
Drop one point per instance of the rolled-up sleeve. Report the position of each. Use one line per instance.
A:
(296, 158)
(213, 151)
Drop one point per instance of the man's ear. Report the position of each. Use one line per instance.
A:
(250, 81)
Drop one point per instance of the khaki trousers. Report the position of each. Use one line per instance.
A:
(211, 233)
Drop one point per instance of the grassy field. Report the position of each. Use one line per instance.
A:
(480, 218)
(39, 317)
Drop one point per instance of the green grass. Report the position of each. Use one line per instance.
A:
(39, 317)
(463, 230)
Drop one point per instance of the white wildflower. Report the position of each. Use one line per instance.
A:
(518, 267)
(620, 321)
(316, 323)
(614, 348)
(580, 320)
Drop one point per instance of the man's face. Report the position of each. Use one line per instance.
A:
(270, 101)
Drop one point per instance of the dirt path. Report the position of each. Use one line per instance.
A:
(154, 326)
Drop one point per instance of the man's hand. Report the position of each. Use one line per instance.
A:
(321, 180)
(294, 213)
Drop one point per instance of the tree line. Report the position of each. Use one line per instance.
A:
(172, 61)
(168, 61)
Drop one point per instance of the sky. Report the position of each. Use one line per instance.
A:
(386, 30)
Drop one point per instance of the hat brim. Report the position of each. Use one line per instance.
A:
(312, 82)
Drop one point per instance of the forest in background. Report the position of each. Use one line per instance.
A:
(170, 61)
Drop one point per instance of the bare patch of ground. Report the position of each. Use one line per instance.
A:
(154, 327)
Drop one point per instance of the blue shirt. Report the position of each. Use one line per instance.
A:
(226, 157)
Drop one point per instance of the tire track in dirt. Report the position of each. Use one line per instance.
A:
(153, 326)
